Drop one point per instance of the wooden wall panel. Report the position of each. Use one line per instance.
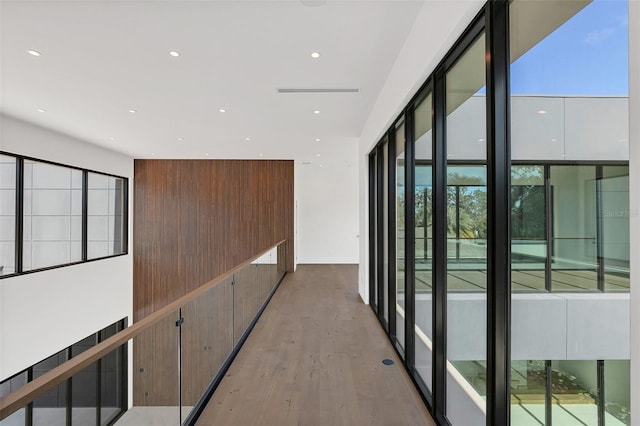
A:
(194, 220)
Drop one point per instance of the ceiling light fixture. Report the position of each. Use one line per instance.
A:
(112, 138)
(321, 165)
(317, 139)
(554, 140)
(41, 110)
(153, 154)
(180, 139)
(132, 111)
(315, 55)
(542, 111)
(317, 155)
(316, 111)
(222, 110)
(174, 53)
(33, 52)
(260, 155)
(481, 140)
(247, 139)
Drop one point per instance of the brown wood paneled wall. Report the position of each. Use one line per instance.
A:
(195, 219)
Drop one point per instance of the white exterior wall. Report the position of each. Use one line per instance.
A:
(44, 312)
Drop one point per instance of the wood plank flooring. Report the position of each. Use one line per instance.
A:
(315, 358)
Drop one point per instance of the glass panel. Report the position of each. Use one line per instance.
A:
(466, 229)
(528, 228)
(245, 298)
(385, 231)
(8, 386)
(569, 113)
(207, 337)
(373, 205)
(111, 380)
(84, 391)
(574, 262)
(617, 392)
(52, 215)
(614, 197)
(528, 390)
(423, 241)
(155, 367)
(51, 408)
(105, 209)
(400, 233)
(574, 392)
(7, 214)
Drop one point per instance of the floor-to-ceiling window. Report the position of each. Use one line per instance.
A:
(570, 213)
(400, 233)
(466, 226)
(423, 235)
(524, 319)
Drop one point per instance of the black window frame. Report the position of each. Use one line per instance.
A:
(19, 215)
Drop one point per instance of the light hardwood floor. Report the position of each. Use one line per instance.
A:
(315, 358)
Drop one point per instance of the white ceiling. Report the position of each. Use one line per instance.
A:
(101, 58)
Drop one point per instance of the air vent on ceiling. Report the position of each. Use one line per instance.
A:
(318, 90)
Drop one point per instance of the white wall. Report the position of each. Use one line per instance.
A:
(634, 192)
(326, 200)
(43, 312)
(436, 28)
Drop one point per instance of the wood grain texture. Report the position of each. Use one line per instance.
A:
(314, 358)
(193, 220)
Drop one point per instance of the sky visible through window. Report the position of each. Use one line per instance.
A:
(587, 55)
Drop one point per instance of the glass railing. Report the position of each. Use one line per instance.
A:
(180, 354)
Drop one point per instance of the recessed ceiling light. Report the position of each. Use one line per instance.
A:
(174, 53)
(315, 55)
(316, 111)
(132, 111)
(321, 165)
(260, 155)
(33, 52)
(554, 140)
(153, 154)
(41, 110)
(207, 154)
(180, 139)
(542, 111)
(317, 155)
(247, 139)
(222, 110)
(112, 138)
(481, 140)
(317, 139)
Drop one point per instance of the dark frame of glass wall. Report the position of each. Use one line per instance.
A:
(105, 380)
(493, 22)
(86, 176)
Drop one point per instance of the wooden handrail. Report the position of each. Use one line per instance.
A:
(37, 387)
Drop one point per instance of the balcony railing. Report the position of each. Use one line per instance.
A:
(182, 350)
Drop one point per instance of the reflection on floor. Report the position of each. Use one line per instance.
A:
(526, 280)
